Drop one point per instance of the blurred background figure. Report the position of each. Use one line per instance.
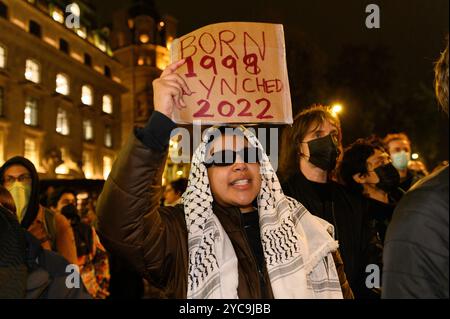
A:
(92, 256)
(26, 269)
(173, 192)
(367, 169)
(398, 146)
(416, 246)
(311, 149)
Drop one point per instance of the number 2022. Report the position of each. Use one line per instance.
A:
(226, 109)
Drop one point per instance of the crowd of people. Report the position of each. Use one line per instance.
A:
(236, 228)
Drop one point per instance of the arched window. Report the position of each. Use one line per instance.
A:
(107, 106)
(32, 71)
(62, 122)
(62, 84)
(31, 112)
(2, 57)
(108, 136)
(87, 95)
(88, 130)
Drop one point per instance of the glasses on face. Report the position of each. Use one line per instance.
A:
(223, 158)
(24, 178)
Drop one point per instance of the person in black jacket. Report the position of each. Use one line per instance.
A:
(367, 170)
(416, 247)
(306, 168)
(29, 271)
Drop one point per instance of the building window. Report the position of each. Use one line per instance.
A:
(87, 60)
(107, 71)
(2, 100)
(32, 71)
(88, 130)
(2, 146)
(31, 112)
(3, 10)
(31, 151)
(2, 57)
(88, 164)
(57, 14)
(82, 32)
(108, 136)
(144, 60)
(62, 84)
(107, 105)
(144, 38)
(62, 122)
(87, 95)
(64, 46)
(107, 165)
(35, 28)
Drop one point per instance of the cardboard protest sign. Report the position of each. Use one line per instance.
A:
(237, 73)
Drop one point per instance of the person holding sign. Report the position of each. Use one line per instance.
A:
(235, 236)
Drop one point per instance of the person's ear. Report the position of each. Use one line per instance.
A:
(359, 178)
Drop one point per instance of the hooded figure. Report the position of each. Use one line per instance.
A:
(52, 230)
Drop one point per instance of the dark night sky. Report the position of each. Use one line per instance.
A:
(413, 31)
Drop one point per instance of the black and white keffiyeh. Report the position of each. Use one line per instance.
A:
(297, 245)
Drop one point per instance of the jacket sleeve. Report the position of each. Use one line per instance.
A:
(129, 222)
(416, 248)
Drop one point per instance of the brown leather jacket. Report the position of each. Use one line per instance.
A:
(154, 239)
(64, 241)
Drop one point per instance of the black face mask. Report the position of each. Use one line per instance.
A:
(70, 212)
(388, 176)
(323, 152)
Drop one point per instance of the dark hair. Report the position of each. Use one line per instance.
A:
(293, 135)
(354, 161)
(56, 195)
(6, 200)
(441, 79)
(179, 185)
(393, 137)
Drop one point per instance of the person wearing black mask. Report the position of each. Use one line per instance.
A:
(92, 257)
(306, 171)
(366, 168)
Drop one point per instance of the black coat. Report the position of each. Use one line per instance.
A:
(416, 246)
(348, 212)
(29, 271)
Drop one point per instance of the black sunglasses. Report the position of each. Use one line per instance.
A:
(228, 157)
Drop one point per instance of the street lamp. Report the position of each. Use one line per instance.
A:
(336, 108)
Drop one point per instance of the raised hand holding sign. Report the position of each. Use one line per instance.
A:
(231, 73)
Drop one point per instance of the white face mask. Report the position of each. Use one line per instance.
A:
(20, 192)
(400, 160)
